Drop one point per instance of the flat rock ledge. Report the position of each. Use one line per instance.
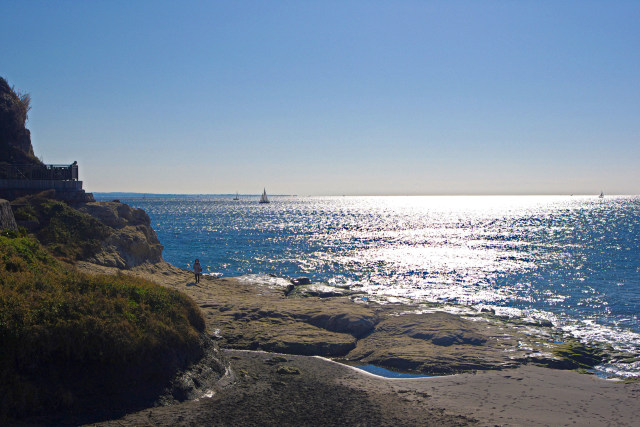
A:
(422, 338)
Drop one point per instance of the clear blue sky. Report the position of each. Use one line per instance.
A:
(333, 97)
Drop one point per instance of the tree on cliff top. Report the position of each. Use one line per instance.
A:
(15, 138)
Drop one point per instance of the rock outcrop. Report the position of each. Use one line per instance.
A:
(15, 138)
(436, 342)
(21, 172)
(7, 220)
(319, 290)
(267, 320)
(110, 234)
(131, 243)
(257, 316)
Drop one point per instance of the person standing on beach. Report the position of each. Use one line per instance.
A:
(197, 269)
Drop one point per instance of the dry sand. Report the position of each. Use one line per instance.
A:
(323, 392)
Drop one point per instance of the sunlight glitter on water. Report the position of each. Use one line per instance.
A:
(574, 257)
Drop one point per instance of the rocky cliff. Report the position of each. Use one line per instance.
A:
(21, 172)
(132, 241)
(15, 138)
(110, 234)
(7, 220)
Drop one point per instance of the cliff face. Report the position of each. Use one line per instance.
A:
(15, 138)
(7, 220)
(131, 243)
(111, 234)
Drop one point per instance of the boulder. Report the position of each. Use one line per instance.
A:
(288, 370)
(7, 220)
(116, 214)
(431, 343)
(319, 290)
(132, 243)
(356, 324)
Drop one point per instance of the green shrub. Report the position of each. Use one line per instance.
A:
(9, 233)
(26, 213)
(68, 233)
(64, 333)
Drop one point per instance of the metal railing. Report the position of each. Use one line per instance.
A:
(40, 172)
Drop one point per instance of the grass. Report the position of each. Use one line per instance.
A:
(64, 335)
(68, 233)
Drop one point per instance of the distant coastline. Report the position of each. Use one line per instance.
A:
(123, 194)
(112, 195)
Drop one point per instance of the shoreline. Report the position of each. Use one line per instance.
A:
(540, 330)
(528, 340)
(242, 315)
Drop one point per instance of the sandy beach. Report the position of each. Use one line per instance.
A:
(266, 388)
(329, 393)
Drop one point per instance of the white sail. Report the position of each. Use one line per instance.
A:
(263, 198)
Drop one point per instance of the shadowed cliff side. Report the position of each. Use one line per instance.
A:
(21, 172)
(7, 220)
(15, 138)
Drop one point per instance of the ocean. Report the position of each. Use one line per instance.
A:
(572, 260)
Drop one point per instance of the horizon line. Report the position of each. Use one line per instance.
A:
(135, 193)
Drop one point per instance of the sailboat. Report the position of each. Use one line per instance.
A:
(236, 198)
(263, 198)
(601, 196)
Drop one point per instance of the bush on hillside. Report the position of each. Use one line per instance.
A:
(67, 338)
(66, 232)
(14, 106)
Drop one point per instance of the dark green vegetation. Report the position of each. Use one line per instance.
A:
(70, 340)
(576, 355)
(66, 232)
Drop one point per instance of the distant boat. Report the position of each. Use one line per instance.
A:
(601, 196)
(263, 198)
(236, 198)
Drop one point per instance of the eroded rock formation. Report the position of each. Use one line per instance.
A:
(131, 243)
